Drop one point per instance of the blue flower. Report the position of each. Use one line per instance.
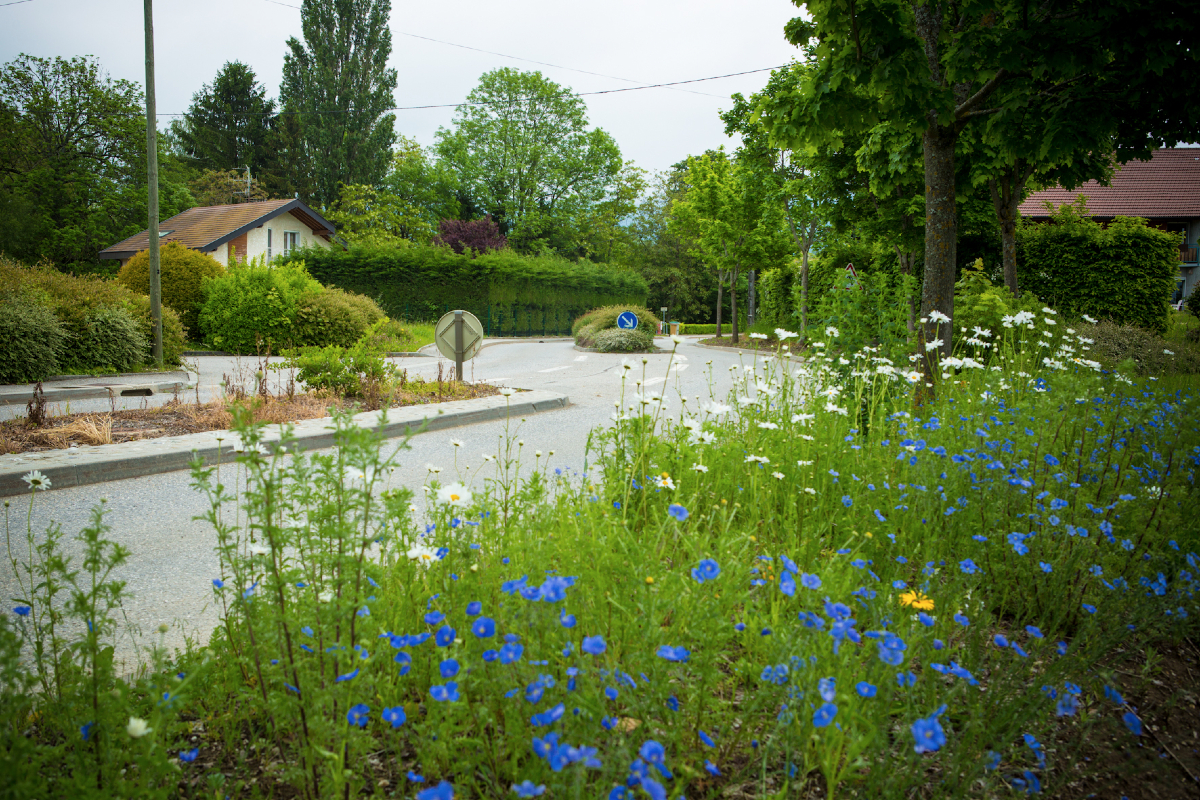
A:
(706, 570)
(787, 583)
(929, 735)
(484, 627)
(612, 693)
(415, 778)
(879, 516)
(444, 636)
(827, 688)
(448, 668)
(824, 715)
(673, 653)
(1033, 631)
(85, 730)
(899, 585)
(566, 620)
(652, 752)
(395, 716)
(706, 739)
(810, 581)
(527, 789)
(968, 566)
(1091, 609)
(847, 501)
(405, 662)
(925, 619)
(711, 768)
(217, 582)
(442, 694)
(434, 617)
(1000, 640)
(511, 653)
(188, 756)
(443, 791)
(865, 689)
(1045, 567)
(594, 645)
(357, 715)
(905, 679)
(349, 676)
(677, 511)
(1133, 723)
(22, 611)
(961, 619)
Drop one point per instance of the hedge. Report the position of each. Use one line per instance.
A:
(32, 338)
(511, 294)
(1123, 272)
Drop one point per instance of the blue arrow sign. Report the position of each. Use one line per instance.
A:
(627, 320)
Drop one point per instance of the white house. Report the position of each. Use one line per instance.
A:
(247, 230)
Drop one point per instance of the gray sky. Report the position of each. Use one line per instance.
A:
(650, 41)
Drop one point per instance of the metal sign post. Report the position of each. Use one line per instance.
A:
(458, 346)
(458, 335)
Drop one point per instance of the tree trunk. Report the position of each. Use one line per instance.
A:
(733, 321)
(751, 302)
(1006, 198)
(720, 298)
(905, 259)
(941, 236)
(804, 292)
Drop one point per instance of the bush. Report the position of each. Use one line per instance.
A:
(699, 328)
(618, 340)
(511, 294)
(32, 338)
(252, 307)
(333, 317)
(587, 326)
(1192, 303)
(1124, 271)
(390, 337)
(182, 274)
(980, 303)
(348, 372)
(111, 341)
(1150, 354)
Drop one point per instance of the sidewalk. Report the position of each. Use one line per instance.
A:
(80, 466)
(81, 387)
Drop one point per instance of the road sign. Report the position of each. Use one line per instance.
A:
(627, 320)
(852, 276)
(458, 335)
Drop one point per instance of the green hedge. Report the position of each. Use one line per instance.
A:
(32, 338)
(511, 294)
(252, 307)
(1123, 272)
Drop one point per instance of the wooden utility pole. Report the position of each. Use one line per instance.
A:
(152, 193)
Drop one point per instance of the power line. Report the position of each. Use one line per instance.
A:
(18, 2)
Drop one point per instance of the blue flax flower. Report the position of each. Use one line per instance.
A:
(810, 581)
(677, 511)
(444, 636)
(566, 620)
(349, 676)
(448, 668)
(434, 617)
(357, 715)
(527, 788)
(484, 627)
(443, 791)
(929, 735)
(1133, 723)
(511, 653)
(824, 715)
(968, 566)
(594, 645)
(706, 739)
(447, 693)
(961, 619)
(474, 608)
(865, 689)
(673, 653)
(706, 570)
(787, 583)
(188, 756)
(711, 768)
(395, 716)
(847, 500)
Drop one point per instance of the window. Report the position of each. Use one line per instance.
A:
(291, 241)
(268, 245)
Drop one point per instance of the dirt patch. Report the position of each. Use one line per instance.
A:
(179, 417)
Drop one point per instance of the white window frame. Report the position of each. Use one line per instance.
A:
(290, 243)
(268, 245)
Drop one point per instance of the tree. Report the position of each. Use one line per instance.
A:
(931, 69)
(72, 161)
(225, 187)
(427, 187)
(336, 91)
(523, 153)
(479, 235)
(229, 125)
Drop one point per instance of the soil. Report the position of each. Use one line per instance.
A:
(180, 417)
(746, 343)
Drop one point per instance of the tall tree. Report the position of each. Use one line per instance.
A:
(72, 161)
(426, 186)
(524, 154)
(337, 90)
(229, 125)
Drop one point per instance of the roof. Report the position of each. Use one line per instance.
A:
(205, 228)
(1166, 186)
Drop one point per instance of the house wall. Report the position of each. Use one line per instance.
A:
(256, 240)
(221, 254)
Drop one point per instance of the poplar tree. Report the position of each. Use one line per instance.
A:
(336, 92)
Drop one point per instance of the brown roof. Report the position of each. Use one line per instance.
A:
(1167, 186)
(206, 228)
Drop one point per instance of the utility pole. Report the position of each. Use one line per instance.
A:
(152, 194)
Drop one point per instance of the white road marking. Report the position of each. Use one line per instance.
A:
(553, 369)
(581, 358)
(679, 357)
(494, 380)
(653, 381)
(680, 367)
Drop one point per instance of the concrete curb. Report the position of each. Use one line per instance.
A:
(86, 391)
(81, 466)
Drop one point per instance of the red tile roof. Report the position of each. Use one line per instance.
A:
(1165, 187)
(207, 227)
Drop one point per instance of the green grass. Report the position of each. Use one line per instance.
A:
(1180, 324)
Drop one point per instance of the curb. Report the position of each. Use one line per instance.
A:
(56, 394)
(150, 374)
(657, 351)
(82, 466)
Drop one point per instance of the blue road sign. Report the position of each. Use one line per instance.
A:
(627, 320)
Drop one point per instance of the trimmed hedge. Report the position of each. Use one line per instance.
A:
(32, 338)
(182, 274)
(1124, 272)
(511, 294)
(620, 340)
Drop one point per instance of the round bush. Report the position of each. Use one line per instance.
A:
(252, 307)
(618, 340)
(333, 317)
(183, 273)
(111, 340)
(32, 338)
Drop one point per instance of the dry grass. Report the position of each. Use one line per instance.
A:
(178, 418)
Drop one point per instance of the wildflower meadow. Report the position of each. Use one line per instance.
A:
(859, 573)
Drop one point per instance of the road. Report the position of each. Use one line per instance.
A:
(172, 564)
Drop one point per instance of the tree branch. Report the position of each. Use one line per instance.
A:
(984, 92)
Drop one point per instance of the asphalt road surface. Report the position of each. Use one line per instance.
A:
(169, 573)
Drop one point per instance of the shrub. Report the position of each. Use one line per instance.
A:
(183, 271)
(699, 328)
(618, 340)
(252, 307)
(1124, 271)
(390, 336)
(32, 338)
(111, 341)
(347, 371)
(1151, 354)
(872, 312)
(333, 317)
(1192, 303)
(479, 235)
(980, 303)
(599, 319)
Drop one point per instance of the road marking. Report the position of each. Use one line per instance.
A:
(581, 358)
(494, 380)
(653, 381)
(679, 357)
(553, 369)
(680, 367)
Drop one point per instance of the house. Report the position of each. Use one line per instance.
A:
(268, 228)
(1165, 190)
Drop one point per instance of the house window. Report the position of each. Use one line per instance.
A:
(291, 241)
(268, 245)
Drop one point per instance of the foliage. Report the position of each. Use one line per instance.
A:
(869, 312)
(333, 317)
(508, 292)
(1192, 303)
(1124, 271)
(616, 340)
(369, 216)
(588, 325)
(391, 336)
(33, 339)
(72, 161)
(348, 371)
(522, 152)
(426, 187)
(111, 341)
(225, 187)
(983, 305)
(336, 92)
(252, 307)
(1145, 352)
(478, 235)
(182, 272)
(75, 299)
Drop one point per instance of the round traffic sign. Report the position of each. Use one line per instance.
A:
(627, 320)
(472, 335)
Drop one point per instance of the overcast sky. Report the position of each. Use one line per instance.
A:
(649, 41)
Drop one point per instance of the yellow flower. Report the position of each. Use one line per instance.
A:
(917, 600)
(649, 580)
